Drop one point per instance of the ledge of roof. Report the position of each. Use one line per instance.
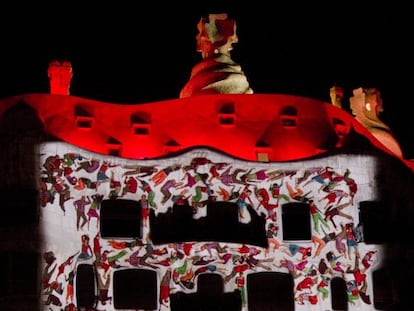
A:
(277, 126)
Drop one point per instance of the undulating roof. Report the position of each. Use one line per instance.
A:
(254, 127)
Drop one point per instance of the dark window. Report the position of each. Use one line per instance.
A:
(288, 117)
(114, 146)
(115, 152)
(227, 114)
(141, 130)
(141, 122)
(20, 206)
(85, 286)
(375, 218)
(182, 223)
(135, 289)
(210, 295)
(210, 289)
(339, 296)
(383, 289)
(271, 291)
(120, 219)
(227, 120)
(221, 224)
(84, 123)
(296, 221)
(20, 274)
(83, 117)
(210, 284)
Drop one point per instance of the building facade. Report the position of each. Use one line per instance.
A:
(300, 233)
(218, 201)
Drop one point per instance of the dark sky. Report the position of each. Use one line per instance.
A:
(136, 53)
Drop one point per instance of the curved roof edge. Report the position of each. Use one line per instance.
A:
(254, 127)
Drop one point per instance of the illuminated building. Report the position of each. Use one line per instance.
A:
(170, 205)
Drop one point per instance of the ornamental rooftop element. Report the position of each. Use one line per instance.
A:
(366, 106)
(217, 73)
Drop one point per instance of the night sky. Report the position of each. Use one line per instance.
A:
(135, 53)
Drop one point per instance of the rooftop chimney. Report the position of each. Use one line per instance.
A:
(60, 75)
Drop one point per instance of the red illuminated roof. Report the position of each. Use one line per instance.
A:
(255, 127)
